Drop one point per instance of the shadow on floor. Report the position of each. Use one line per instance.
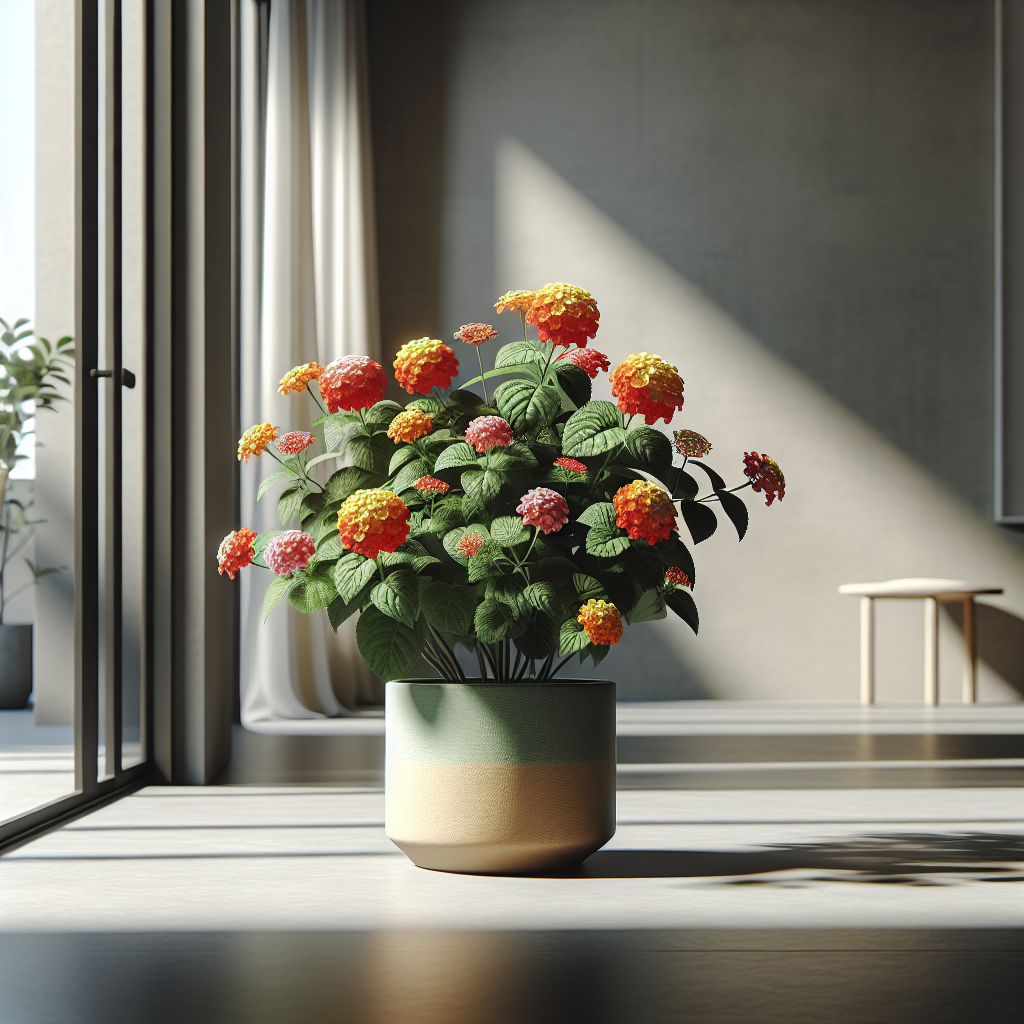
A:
(908, 859)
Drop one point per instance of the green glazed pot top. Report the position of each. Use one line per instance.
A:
(506, 723)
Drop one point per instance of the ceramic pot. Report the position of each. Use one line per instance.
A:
(15, 666)
(499, 778)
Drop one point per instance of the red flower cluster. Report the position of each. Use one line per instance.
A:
(544, 508)
(236, 552)
(352, 382)
(426, 484)
(764, 475)
(295, 442)
(644, 511)
(475, 334)
(676, 576)
(289, 551)
(588, 359)
(487, 432)
(571, 465)
(564, 314)
(646, 385)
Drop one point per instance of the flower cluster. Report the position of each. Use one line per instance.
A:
(425, 364)
(410, 425)
(544, 508)
(571, 465)
(289, 551)
(564, 314)
(469, 544)
(475, 334)
(588, 359)
(373, 520)
(764, 475)
(678, 578)
(690, 443)
(426, 484)
(255, 440)
(602, 622)
(515, 302)
(647, 386)
(298, 377)
(294, 442)
(236, 552)
(644, 511)
(352, 382)
(487, 432)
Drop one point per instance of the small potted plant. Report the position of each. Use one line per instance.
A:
(29, 368)
(524, 523)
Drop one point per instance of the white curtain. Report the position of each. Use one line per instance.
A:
(308, 292)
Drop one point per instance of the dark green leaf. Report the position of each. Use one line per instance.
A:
(717, 483)
(735, 508)
(482, 488)
(651, 451)
(594, 429)
(543, 597)
(277, 589)
(398, 596)
(682, 484)
(575, 382)
(484, 562)
(675, 552)
(651, 606)
(682, 604)
(352, 574)
(381, 414)
(508, 590)
(447, 514)
(539, 638)
(449, 608)
(587, 587)
(509, 531)
(388, 646)
(346, 482)
(601, 514)
(553, 570)
(700, 520)
(329, 549)
(527, 406)
(337, 428)
(338, 611)
(456, 456)
(409, 474)
(514, 456)
(490, 621)
(572, 637)
(312, 589)
(644, 564)
(518, 353)
(371, 453)
(405, 453)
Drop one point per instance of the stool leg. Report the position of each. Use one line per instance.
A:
(931, 651)
(867, 650)
(970, 688)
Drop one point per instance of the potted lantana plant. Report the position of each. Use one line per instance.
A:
(524, 523)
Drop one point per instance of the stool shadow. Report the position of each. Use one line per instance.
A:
(1000, 640)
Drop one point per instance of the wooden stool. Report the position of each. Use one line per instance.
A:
(932, 591)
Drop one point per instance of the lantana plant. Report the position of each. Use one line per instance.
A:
(526, 523)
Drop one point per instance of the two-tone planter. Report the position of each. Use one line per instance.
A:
(499, 778)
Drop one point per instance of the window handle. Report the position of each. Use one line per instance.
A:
(127, 377)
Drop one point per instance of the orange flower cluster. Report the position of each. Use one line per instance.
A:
(295, 442)
(425, 484)
(764, 475)
(691, 444)
(298, 377)
(411, 425)
(676, 576)
(475, 334)
(236, 552)
(564, 314)
(469, 544)
(588, 359)
(644, 511)
(602, 622)
(255, 440)
(648, 386)
(572, 465)
(424, 364)
(352, 382)
(373, 520)
(515, 302)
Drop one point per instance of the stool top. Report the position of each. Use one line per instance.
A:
(918, 586)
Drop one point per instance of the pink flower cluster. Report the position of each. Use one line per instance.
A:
(544, 508)
(588, 359)
(487, 432)
(289, 551)
(295, 442)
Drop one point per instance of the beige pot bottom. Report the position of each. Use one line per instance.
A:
(498, 858)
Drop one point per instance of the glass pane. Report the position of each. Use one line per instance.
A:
(37, 282)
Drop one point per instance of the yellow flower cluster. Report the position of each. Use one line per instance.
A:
(410, 425)
(373, 520)
(298, 377)
(518, 301)
(602, 622)
(255, 440)
(425, 363)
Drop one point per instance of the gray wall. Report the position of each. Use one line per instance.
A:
(792, 201)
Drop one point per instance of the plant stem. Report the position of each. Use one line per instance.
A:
(315, 399)
(483, 383)
(522, 320)
(480, 660)
(561, 664)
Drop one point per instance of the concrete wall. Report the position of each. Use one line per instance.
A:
(792, 201)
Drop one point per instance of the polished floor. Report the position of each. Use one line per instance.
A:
(849, 900)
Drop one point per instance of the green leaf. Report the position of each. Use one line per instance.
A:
(598, 652)
(539, 638)
(682, 604)
(735, 508)
(337, 428)
(555, 569)
(651, 606)
(338, 611)
(587, 587)
(259, 545)
(274, 478)
(527, 406)
(594, 429)
(371, 453)
(329, 549)
(508, 590)
(456, 456)
(482, 488)
(644, 564)
(381, 414)
(543, 597)
(518, 353)
(452, 538)
(604, 539)
(509, 531)
(675, 552)
(388, 646)
(277, 589)
(398, 596)
(572, 637)
(682, 484)
(345, 483)
(288, 505)
(351, 575)
(651, 451)
(717, 483)
(514, 456)
(700, 520)
(312, 589)
(447, 514)
(424, 405)
(484, 562)
(601, 514)
(409, 474)
(575, 382)
(490, 622)
(405, 453)
(449, 608)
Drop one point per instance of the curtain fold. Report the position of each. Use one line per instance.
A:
(308, 292)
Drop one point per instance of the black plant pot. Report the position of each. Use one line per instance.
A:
(15, 667)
